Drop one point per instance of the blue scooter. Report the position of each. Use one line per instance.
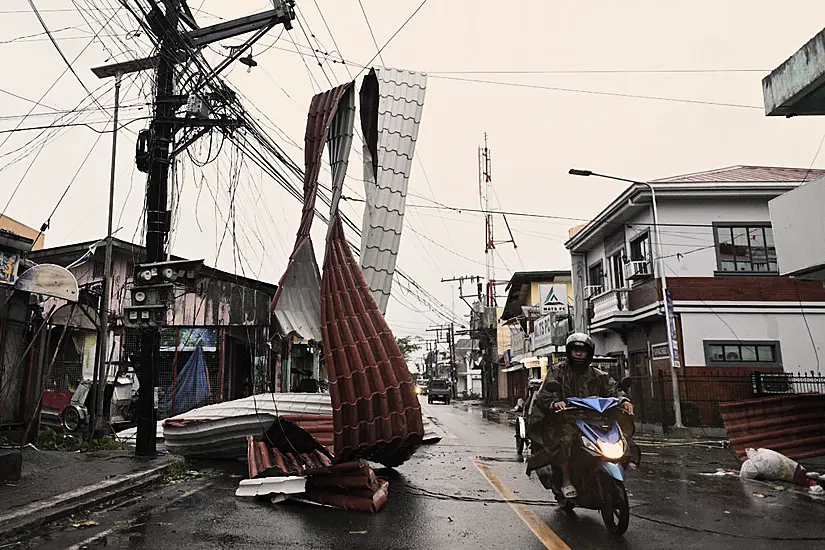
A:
(598, 459)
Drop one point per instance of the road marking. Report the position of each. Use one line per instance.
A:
(539, 528)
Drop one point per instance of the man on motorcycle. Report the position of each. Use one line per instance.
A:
(551, 436)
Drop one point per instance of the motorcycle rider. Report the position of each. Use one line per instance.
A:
(551, 436)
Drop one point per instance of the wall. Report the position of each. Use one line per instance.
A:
(608, 342)
(788, 328)
(696, 244)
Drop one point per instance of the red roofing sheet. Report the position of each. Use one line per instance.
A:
(375, 409)
(322, 111)
(748, 174)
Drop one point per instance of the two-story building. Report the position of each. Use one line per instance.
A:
(538, 306)
(734, 313)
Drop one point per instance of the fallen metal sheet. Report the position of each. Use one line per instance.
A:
(220, 430)
(276, 488)
(793, 425)
(296, 304)
(392, 101)
(376, 410)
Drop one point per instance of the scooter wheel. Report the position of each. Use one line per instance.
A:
(616, 509)
(71, 419)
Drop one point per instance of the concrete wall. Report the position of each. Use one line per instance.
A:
(789, 329)
(695, 245)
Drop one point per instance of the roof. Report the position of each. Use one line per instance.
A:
(376, 411)
(139, 253)
(297, 304)
(518, 289)
(738, 181)
(392, 101)
(748, 174)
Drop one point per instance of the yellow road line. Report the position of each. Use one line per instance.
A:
(539, 528)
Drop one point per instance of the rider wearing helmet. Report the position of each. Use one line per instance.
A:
(578, 379)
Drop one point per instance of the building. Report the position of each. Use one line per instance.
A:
(734, 313)
(17, 360)
(226, 316)
(796, 88)
(11, 225)
(468, 368)
(536, 313)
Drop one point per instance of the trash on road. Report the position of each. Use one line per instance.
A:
(768, 465)
(817, 490)
(720, 472)
(84, 524)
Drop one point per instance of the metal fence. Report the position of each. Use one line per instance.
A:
(701, 395)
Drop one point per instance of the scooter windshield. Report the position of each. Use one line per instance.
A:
(598, 404)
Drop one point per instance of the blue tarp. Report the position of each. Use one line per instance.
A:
(191, 388)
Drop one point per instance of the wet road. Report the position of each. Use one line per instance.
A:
(453, 495)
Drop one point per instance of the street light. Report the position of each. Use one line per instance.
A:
(677, 406)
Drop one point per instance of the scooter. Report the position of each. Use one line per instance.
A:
(122, 409)
(598, 459)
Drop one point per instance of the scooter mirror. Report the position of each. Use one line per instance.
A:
(553, 386)
(625, 384)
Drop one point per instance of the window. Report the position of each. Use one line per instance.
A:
(745, 249)
(640, 252)
(595, 274)
(99, 267)
(617, 270)
(742, 353)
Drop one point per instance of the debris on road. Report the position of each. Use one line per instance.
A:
(768, 465)
(817, 490)
(84, 524)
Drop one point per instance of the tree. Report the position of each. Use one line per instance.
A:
(408, 345)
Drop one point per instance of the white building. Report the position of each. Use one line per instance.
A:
(733, 310)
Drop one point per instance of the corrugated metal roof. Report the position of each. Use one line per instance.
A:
(392, 101)
(376, 411)
(297, 302)
(793, 425)
(748, 174)
(220, 430)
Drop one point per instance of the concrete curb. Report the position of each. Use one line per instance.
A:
(53, 508)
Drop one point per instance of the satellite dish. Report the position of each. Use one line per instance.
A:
(48, 280)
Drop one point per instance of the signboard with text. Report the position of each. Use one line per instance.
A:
(553, 298)
(9, 265)
(674, 336)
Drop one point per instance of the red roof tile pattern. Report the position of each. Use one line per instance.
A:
(292, 445)
(376, 412)
(296, 303)
(748, 174)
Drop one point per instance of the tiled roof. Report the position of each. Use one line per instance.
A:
(376, 411)
(748, 174)
(392, 101)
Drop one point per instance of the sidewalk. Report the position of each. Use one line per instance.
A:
(55, 484)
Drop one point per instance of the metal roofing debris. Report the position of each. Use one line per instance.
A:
(793, 425)
(376, 411)
(220, 430)
(748, 174)
(277, 488)
(392, 101)
(296, 304)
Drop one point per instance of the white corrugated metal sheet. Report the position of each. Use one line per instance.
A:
(298, 308)
(400, 102)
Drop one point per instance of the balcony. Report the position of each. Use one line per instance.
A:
(617, 307)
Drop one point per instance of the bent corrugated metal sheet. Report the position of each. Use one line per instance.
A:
(377, 415)
(296, 304)
(392, 101)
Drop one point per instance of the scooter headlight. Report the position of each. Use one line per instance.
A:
(612, 451)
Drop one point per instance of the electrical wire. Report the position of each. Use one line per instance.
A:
(372, 34)
(391, 38)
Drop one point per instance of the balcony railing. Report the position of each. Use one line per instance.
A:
(608, 303)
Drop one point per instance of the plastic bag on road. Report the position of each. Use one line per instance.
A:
(768, 465)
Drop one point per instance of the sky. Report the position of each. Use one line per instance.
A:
(642, 90)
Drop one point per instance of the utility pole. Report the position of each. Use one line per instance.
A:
(152, 293)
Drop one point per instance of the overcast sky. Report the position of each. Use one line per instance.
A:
(537, 130)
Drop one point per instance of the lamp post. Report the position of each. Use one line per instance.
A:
(677, 407)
